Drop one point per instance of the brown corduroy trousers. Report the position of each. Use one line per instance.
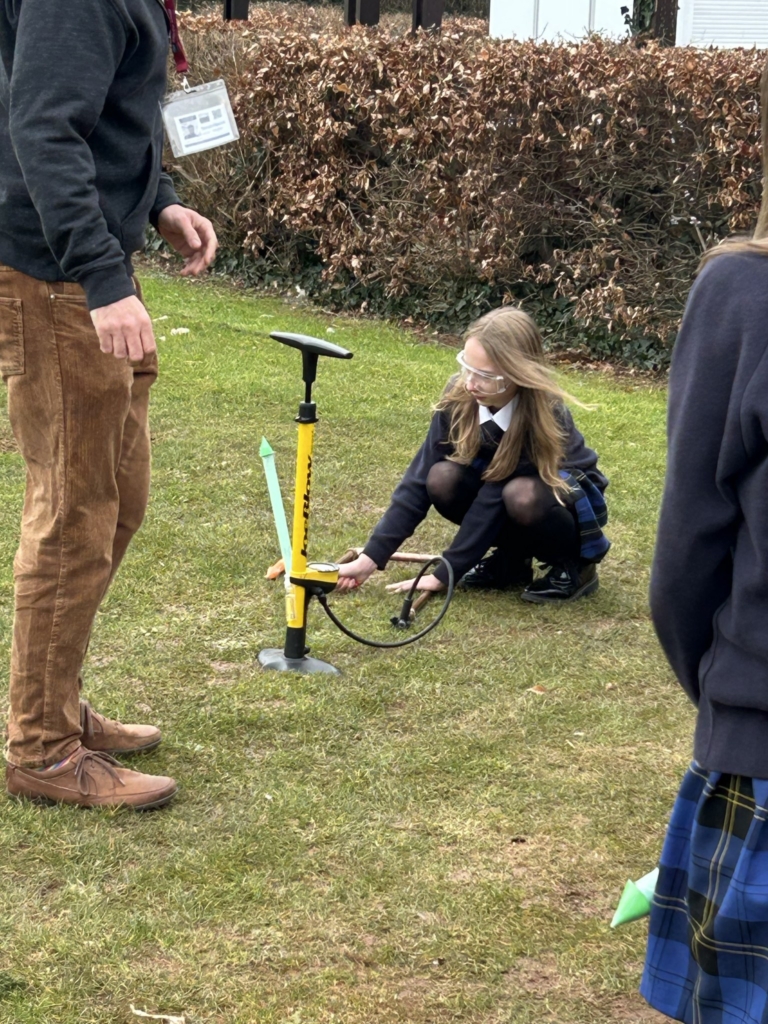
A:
(79, 417)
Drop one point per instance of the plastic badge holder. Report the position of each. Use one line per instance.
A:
(198, 118)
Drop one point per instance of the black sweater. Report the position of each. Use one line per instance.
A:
(410, 502)
(709, 585)
(81, 138)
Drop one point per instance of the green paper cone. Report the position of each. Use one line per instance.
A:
(636, 899)
(276, 499)
(647, 884)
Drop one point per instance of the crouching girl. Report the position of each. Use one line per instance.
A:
(503, 460)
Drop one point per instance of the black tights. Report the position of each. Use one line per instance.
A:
(536, 525)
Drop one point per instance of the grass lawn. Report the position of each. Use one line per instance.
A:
(422, 839)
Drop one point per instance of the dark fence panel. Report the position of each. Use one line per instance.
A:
(428, 13)
(467, 8)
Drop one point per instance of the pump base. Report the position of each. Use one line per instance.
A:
(274, 658)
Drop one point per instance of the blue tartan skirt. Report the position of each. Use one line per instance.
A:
(707, 958)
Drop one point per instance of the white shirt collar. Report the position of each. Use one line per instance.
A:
(502, 418)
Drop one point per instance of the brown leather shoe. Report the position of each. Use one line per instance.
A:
(111, 737)
(90, 778)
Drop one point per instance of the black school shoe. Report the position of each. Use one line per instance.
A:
(565, 582)
(498, 572)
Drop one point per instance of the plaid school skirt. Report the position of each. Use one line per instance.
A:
(707, 959)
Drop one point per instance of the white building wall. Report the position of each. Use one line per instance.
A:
(722, 23)
(554, 20)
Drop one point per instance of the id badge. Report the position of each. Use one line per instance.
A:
(199, 117)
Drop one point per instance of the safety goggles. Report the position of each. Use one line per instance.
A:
(488, 383)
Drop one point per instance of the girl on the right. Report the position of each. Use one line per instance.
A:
(707, 959)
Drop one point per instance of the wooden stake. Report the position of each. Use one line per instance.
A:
(349, 556)
(424, 597)
(399, 556)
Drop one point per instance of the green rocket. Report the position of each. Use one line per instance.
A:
(636, 899)
(276, 498)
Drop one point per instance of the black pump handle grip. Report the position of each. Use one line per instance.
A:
(312, 346)
(311, 349)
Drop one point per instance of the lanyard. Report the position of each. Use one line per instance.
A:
(177, 48)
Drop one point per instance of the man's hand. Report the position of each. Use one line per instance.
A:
(125, 329)
(191, 235)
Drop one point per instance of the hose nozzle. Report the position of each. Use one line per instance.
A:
(403, 620)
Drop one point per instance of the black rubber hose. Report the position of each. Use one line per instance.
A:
(322, 598)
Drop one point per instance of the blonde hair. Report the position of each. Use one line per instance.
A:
(759, 241)
(512, 341)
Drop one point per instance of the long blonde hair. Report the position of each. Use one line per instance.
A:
(759, 241)
(512, 341)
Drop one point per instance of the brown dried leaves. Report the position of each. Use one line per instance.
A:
(590, 174)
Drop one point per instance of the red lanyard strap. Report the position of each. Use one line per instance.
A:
(179, 57)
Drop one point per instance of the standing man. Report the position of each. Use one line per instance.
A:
(80, 176)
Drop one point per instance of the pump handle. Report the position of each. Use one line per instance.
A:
(315, 346)
(311, 349)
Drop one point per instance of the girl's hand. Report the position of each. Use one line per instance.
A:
(429, 582)
(354, 574)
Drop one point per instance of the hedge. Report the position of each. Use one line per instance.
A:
(435, 176)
